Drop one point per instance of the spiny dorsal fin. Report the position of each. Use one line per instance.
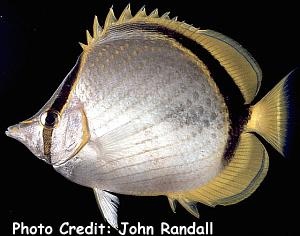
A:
(88, 37)
(110, 19)
(97, 29)
(125, 15)
(175, 18)
(141, 13)
(154, 13)
(238, 63)
(83, 46)
(166, 16)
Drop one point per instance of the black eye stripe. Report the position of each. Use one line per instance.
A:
(51, 118)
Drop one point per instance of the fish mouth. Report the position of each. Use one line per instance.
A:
(12, 131)
(19, 133)
(15, 131)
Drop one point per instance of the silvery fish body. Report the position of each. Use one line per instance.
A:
(155, 127)
(141, 113)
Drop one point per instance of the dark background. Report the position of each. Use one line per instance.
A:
(38, 47)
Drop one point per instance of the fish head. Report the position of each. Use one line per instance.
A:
(29, 132)
(53, 136)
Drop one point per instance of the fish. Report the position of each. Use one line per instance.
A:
(155, 106)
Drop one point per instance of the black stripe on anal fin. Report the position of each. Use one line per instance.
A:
(238, 112)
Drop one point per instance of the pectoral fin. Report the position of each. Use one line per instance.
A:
(108, 205)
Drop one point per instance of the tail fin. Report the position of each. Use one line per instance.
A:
(270, 116)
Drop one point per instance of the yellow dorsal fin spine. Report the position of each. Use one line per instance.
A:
(125, 15)
(166, 15)
(141, 13)
(88, 37)
(154, 13)
(238, 63)
(96, 28)
(175, 18)
(110, 19)
(83, 46)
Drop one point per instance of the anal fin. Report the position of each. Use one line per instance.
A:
(238, 180)
(187, 204)
(108, 205)
(190, 206)
(172, 203)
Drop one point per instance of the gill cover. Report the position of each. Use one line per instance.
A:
(58, 131)
(70, 134)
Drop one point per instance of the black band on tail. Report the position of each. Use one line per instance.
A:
(293, 113)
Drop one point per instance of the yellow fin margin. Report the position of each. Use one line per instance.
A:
(232, 56)
(236, 60)
(239, 179)
(269, 117)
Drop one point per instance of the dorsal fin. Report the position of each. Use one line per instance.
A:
(110, 19)
(236, 60)
(238, 63)
(154, 13)
(141, 13)
(88, 37)
(166, 15)
(174, 18)
(97, 29)
(125, 15)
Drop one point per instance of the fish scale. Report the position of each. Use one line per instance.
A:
(151, 81)
(117, 101)
(155, 106)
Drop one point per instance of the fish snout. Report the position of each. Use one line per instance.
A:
(13, 131)
(29, 134)
(23, 132)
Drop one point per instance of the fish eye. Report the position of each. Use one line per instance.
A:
(50, 119)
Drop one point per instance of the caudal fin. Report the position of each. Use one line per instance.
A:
(242, 175)
(270, 116)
